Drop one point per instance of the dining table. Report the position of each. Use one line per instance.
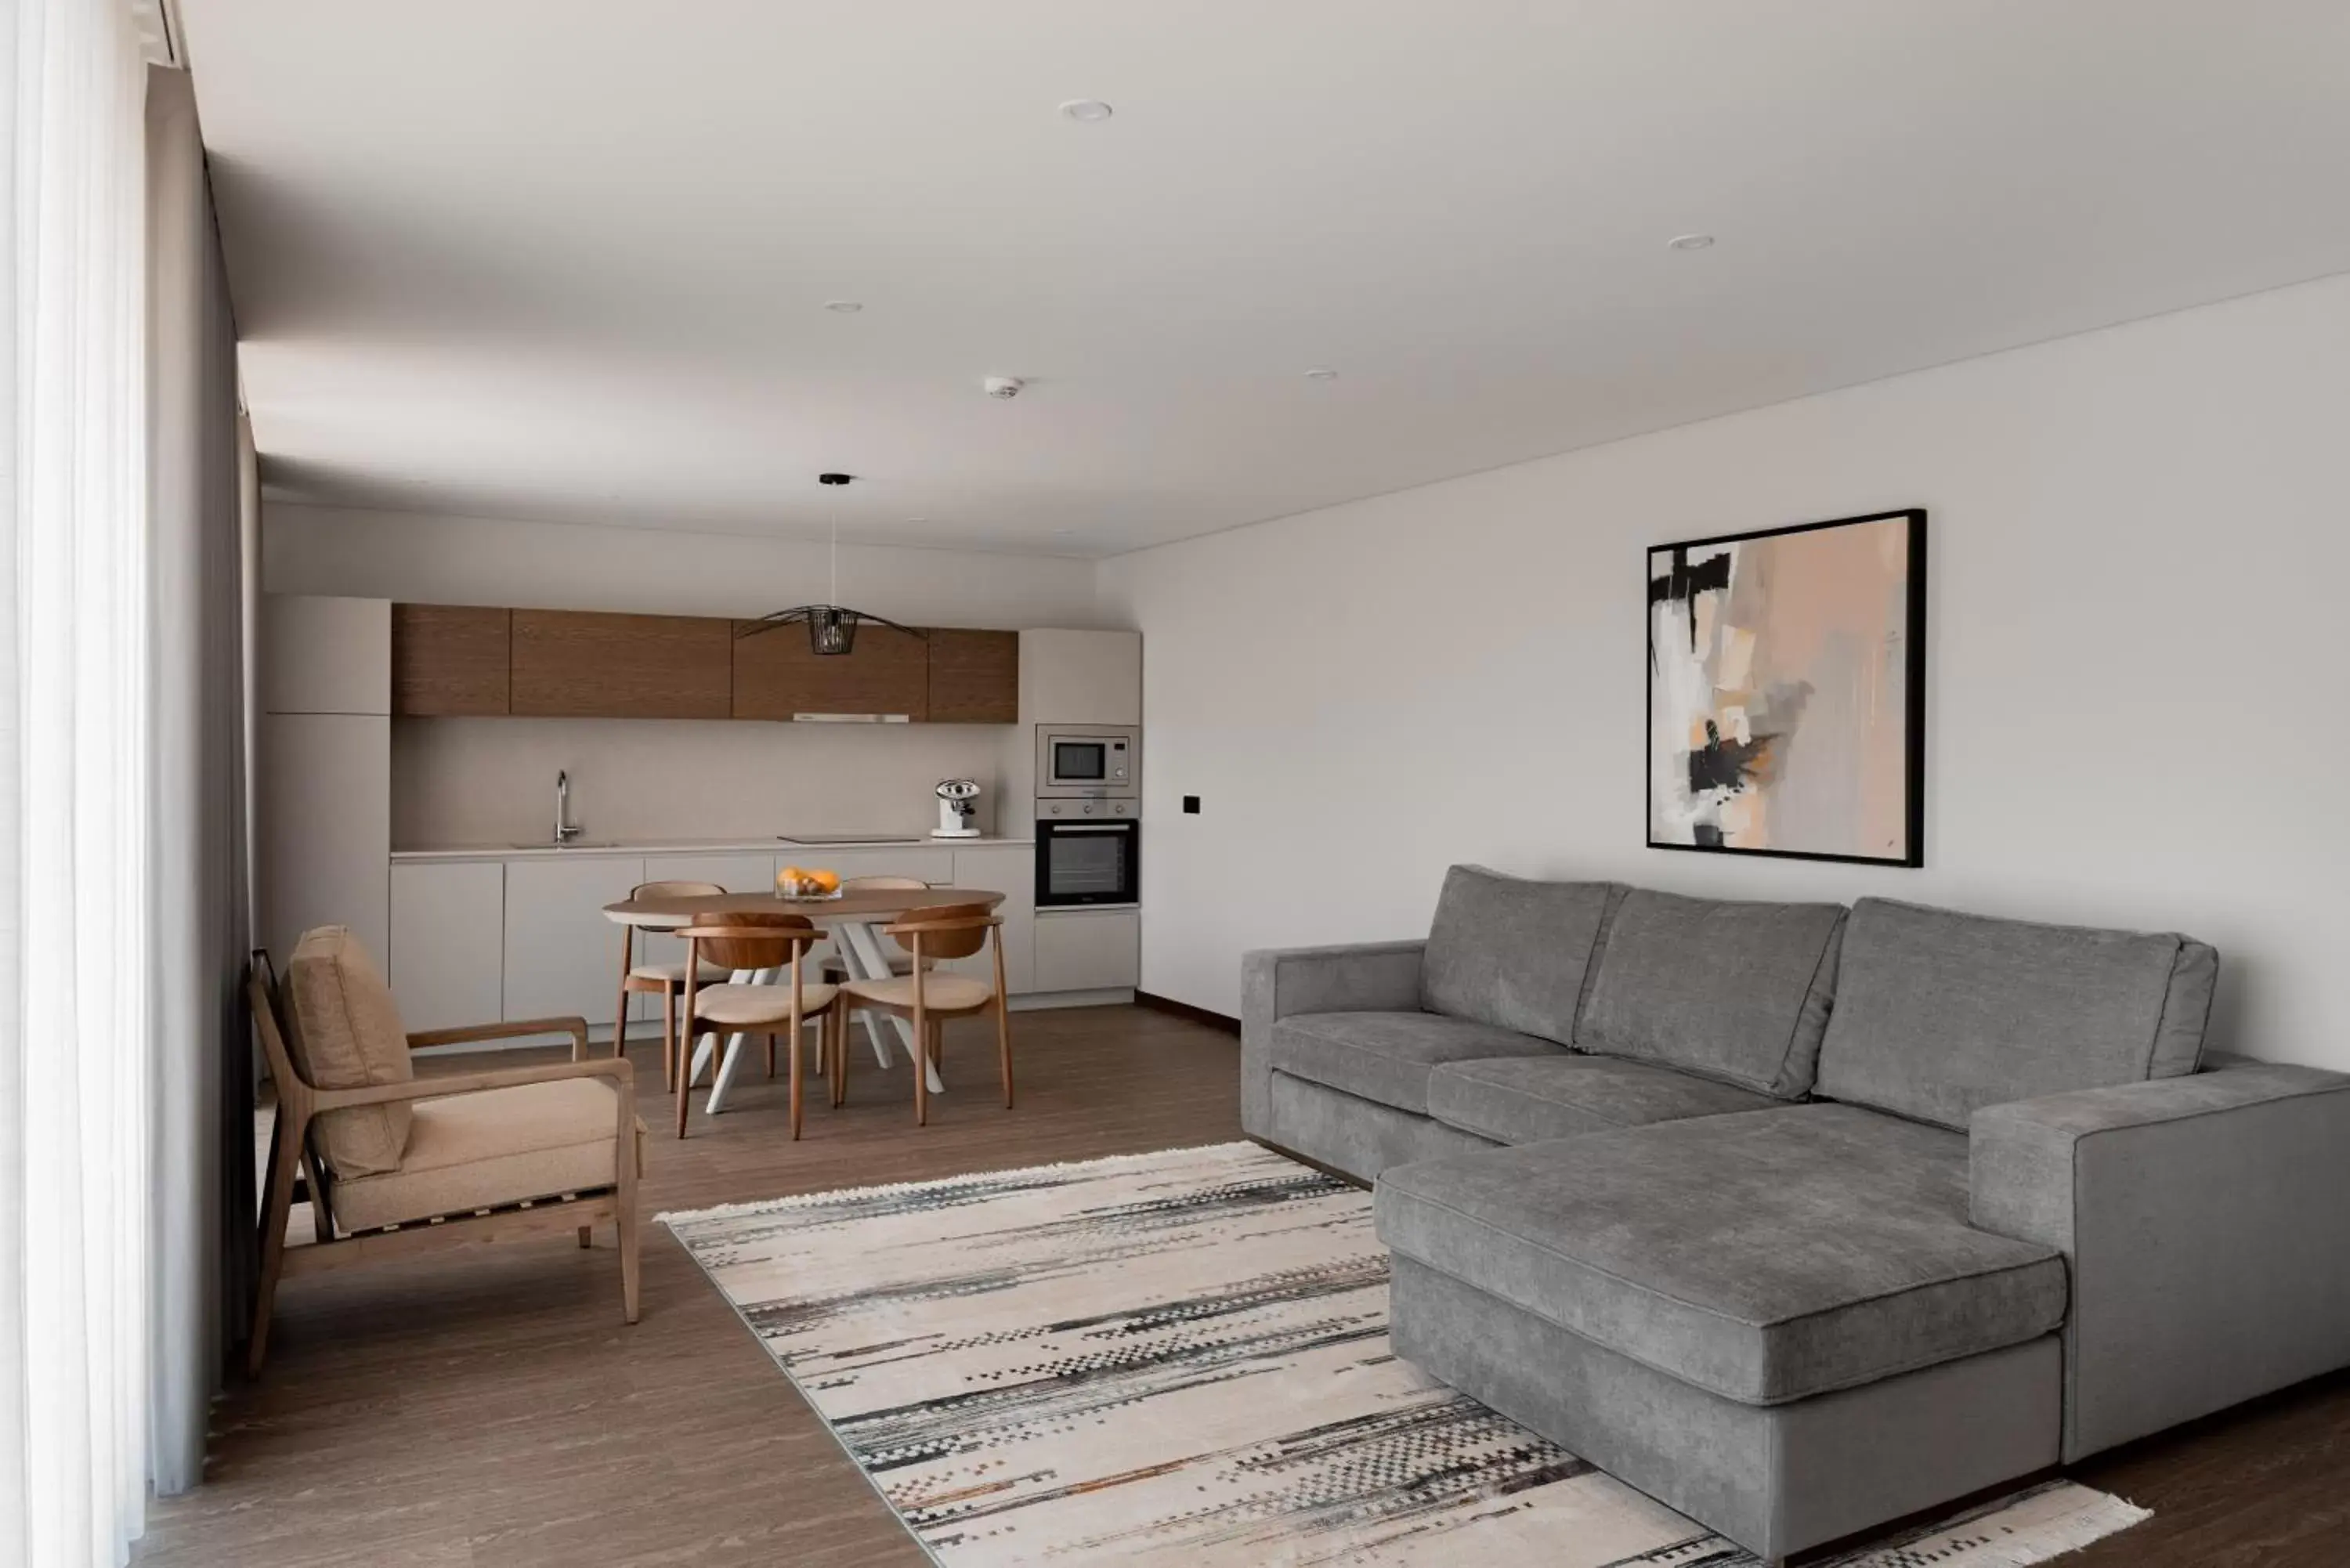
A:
(853, 917)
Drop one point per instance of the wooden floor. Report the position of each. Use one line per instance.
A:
(490, 1409)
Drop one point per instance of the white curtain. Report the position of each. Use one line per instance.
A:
(75, 1035)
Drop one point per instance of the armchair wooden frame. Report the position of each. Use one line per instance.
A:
(953, 932)
(296, 1171)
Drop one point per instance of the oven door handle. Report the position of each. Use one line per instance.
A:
(1088, 827)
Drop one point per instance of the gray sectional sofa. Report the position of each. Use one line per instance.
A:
(1803, 1219)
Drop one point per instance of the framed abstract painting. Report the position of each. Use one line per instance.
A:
(1787, 691)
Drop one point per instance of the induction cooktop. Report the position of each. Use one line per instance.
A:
(847, 838)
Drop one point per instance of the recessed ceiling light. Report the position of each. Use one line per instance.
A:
(1086, 110)
(1321, 373)
(1691, 242)
(843, 307)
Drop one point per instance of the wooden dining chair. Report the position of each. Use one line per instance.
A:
(757, 939)
(393, 1165)
(930, 997)
(666, 981)
(834, 966)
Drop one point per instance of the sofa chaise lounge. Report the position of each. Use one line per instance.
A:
(1804, 1218)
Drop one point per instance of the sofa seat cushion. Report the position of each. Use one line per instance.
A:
(1526, 1099)
(1765, 1257)
(1386, 1057)
(490, 1148)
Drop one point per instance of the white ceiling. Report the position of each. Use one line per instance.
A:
(570, 259)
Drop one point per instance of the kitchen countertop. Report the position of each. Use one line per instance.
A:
(689, 846)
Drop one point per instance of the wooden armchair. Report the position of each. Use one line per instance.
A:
(394, 1165)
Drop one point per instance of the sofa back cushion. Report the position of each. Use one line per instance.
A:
(1939, 1013)
(345, 1033)
(1727, 989)
(1512, 952)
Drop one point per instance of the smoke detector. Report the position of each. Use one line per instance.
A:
(1004, 387)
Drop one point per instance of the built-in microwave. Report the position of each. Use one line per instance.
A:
(1088, 762)
(1087, 862)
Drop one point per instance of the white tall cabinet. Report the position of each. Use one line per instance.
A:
(323, 784)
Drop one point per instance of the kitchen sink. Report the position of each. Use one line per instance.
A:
(568, 844)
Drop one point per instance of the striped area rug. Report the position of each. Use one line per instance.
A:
(1181, 1358)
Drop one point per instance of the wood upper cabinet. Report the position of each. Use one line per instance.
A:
(449, 659)
(581, 664)
(886, 671)
(974, 676)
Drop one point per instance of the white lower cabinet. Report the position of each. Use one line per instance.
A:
(1009, 870)
(477, 940)
(1088, 949)
(447, 962)
(562, 954)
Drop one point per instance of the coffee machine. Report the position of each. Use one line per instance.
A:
(958, 809)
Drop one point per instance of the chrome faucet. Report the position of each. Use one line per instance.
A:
(565, 830)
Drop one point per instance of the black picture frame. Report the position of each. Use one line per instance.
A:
(1913, 707)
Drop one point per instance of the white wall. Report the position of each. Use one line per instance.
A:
(2136, 663)
(425, 558)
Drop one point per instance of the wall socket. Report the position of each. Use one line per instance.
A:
(1190, 806)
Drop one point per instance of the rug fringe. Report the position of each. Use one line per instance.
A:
(2098, 1516)
(673, 1217)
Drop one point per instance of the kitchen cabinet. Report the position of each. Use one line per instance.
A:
(1088, 949)
(451, 661)
(577, 664)
(974, 676)
(325, 798)
(1009, 870)
(447, 963)
(777, 676)
(325, 655)
(1081, 676)
(562, 956)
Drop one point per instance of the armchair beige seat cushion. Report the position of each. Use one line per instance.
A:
(756, 1006)
(347, 1035)
(945, 993)
(674, 974)
(494, 1147)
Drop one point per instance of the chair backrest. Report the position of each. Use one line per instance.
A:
(882, 884)
(948, 931)
(676, 890)
(724, 938)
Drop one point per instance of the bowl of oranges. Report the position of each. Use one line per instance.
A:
(800, 885)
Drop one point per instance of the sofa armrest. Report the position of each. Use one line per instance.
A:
(1281, 982)
(2203, 1222)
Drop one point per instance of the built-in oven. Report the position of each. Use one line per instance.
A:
(1088, 861)
(1088, 762)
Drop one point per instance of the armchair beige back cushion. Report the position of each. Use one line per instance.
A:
(347, 1035)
